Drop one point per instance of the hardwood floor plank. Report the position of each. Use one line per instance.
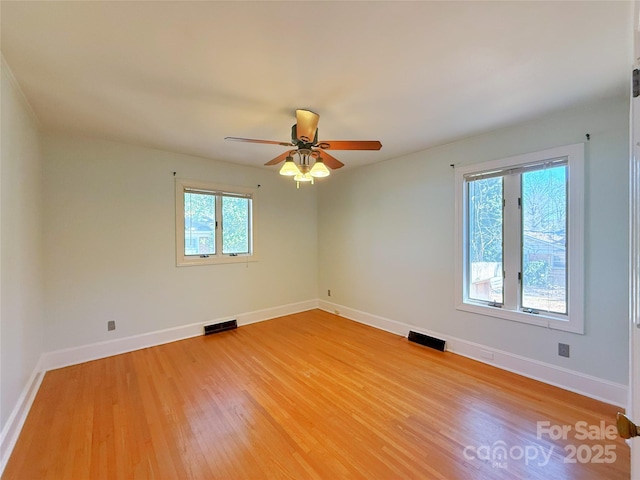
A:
(310, 395)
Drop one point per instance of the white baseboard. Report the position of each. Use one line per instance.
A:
(94, 351)
(11, 430)
(590, 386)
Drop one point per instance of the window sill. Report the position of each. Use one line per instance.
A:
(540, 319)
(214, 260)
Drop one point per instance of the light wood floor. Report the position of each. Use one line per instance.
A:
(310, 395)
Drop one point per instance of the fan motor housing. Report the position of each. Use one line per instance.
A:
(300, 143)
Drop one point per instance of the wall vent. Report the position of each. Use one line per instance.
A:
(220, 327)
(427, 341)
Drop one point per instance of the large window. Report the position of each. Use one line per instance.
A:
(520, 238)
(214, 223)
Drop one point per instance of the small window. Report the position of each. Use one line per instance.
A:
(214, 223)
(520, 238)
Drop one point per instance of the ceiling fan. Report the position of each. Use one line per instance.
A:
(309, 159)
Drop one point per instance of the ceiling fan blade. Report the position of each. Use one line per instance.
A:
(330, 161)
(306, 125)
(350, 145)
(279, 158)
(251, 140)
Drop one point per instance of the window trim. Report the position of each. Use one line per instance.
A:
(182, 185)
(574, 320)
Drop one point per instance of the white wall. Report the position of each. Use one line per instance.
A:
(386, 240)
(21, 252)
(110, 243)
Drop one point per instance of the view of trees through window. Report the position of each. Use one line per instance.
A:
(485, 240)
(543, 252)
(235, 221)
(200, 223)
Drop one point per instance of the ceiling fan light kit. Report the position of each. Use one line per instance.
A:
(310, 160)
(302, 171)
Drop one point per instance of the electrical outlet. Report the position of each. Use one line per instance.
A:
(111, 325)
(563, 350)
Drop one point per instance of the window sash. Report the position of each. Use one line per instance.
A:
(200, 235)
(550, 250)
(484, 276)
(227, 250)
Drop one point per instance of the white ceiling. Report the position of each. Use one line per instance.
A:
(180, 76)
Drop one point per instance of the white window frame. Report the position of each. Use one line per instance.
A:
(574, 320)
(219, 190)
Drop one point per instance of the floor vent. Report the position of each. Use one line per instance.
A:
(427, 341)
(220, 327)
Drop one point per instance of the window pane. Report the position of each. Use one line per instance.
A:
(235, 225)
(484, 265)
(199, 224)
(544, 240)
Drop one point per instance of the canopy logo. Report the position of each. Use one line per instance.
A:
(499, 454)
